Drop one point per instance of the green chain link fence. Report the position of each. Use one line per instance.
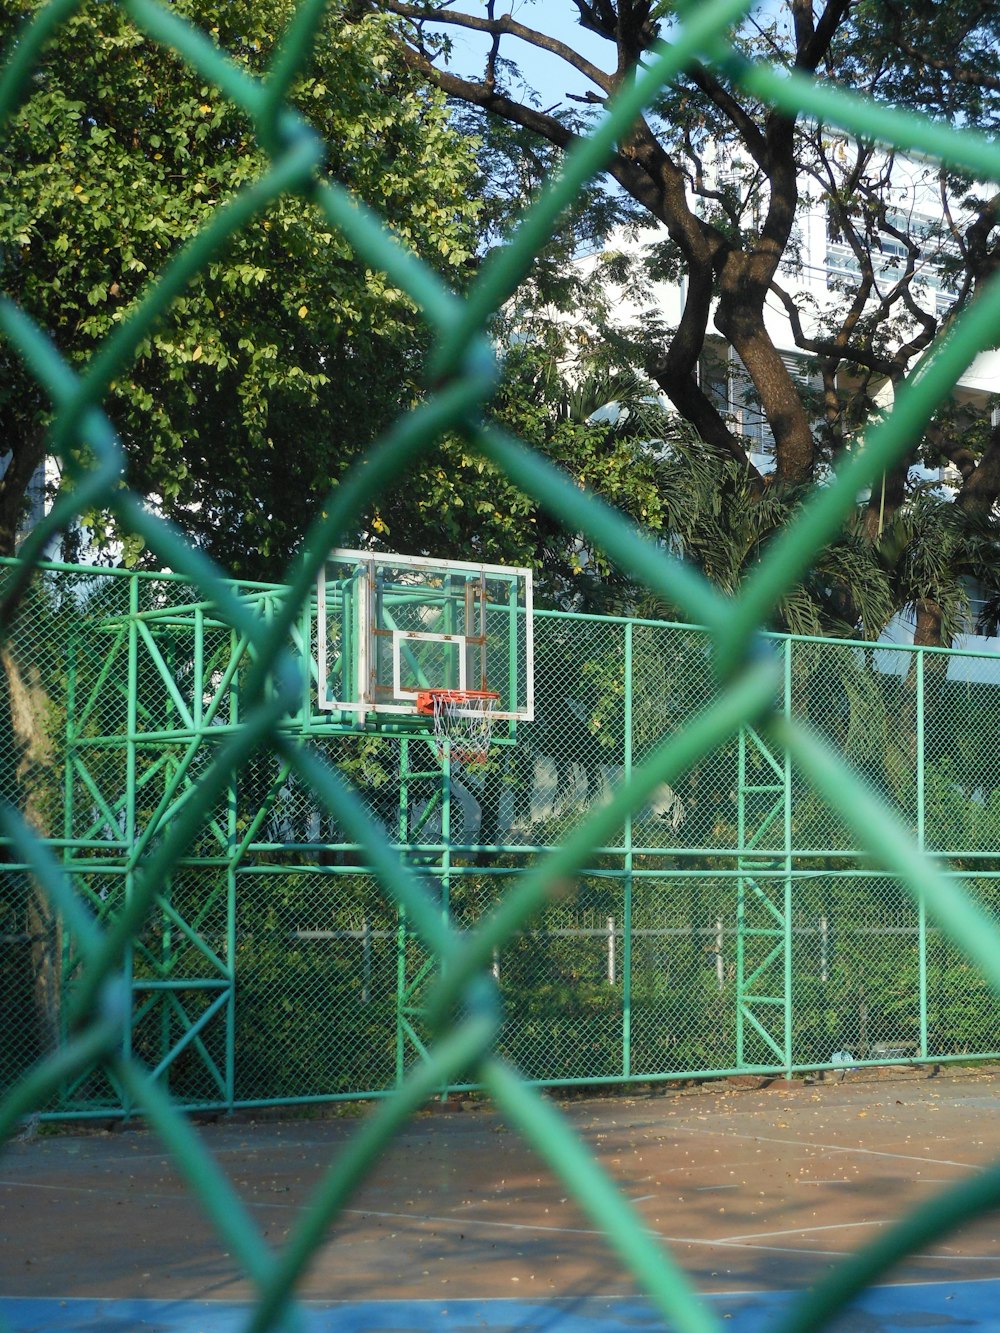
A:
(786, 759)
(731, 923)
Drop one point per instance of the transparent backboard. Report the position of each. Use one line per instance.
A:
(390, 626)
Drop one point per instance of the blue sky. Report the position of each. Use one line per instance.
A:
(551, 77)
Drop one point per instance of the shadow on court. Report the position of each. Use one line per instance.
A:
(758, 1191)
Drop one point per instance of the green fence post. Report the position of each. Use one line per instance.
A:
(921, 836)
(628, 866)
(741, 826)
(444, 870)
(403, 831)
(131, 830)
(232, 857)
(68, 945)
(71, 668)
(787, 799)
(764, 897)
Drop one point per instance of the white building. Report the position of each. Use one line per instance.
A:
(813, 279)
(813, 276)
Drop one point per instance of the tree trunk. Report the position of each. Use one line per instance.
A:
(740, 320)
(29, 454)
(929, 632)
(981, 483)
(32, 777)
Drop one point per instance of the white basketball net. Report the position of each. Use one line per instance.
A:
(465, 718)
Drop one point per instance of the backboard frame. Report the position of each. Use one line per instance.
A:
(383, 665)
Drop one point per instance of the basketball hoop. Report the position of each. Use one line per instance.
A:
(464, 717)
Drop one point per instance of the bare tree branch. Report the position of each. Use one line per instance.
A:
(503, 26)
(837, 349)
(978, 77)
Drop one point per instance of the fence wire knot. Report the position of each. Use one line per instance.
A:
(140, 855)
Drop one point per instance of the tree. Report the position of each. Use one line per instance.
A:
(273, 370)
(285, 359)
(726, 181)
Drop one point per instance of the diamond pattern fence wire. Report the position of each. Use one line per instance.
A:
(732, 922)
(711, 851)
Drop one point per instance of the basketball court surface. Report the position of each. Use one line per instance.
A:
(758, 1190)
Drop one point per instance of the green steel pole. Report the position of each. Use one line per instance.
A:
(402, 830)
(232, 856)
(70, 749)
(128, 958)
(627, 911)
(67, 856)
(787, 797)
(238, 648)
(921, 835)
(198, 703)
(171, 657)
(404, 771)
(741, 828)
(514, 684)
(445, 864)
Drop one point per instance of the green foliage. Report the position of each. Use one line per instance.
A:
(923, 53)
(717, 194)
(464, 1046)
(316, 1008)
(462, 506)
(283, 360)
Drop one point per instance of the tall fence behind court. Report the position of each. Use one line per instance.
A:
(732, 923)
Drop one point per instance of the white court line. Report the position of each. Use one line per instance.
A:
(804, 1231)
(823, 1147)
(723, 1242)
(841, 1180)
(412, 1218)
(591, 1231)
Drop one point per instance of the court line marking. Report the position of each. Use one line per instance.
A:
(655, 1128)
(805, 1231)
(843, 1180)
(722, 1242)
(825, 1147)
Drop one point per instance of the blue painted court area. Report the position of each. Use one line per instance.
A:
(931, 1306)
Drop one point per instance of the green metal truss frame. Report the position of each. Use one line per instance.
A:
(168, 673)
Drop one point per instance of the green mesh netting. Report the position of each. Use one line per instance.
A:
(472, 1004)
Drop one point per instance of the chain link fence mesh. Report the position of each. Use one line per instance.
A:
(711, 851)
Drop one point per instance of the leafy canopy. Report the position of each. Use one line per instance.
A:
(284, 360)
